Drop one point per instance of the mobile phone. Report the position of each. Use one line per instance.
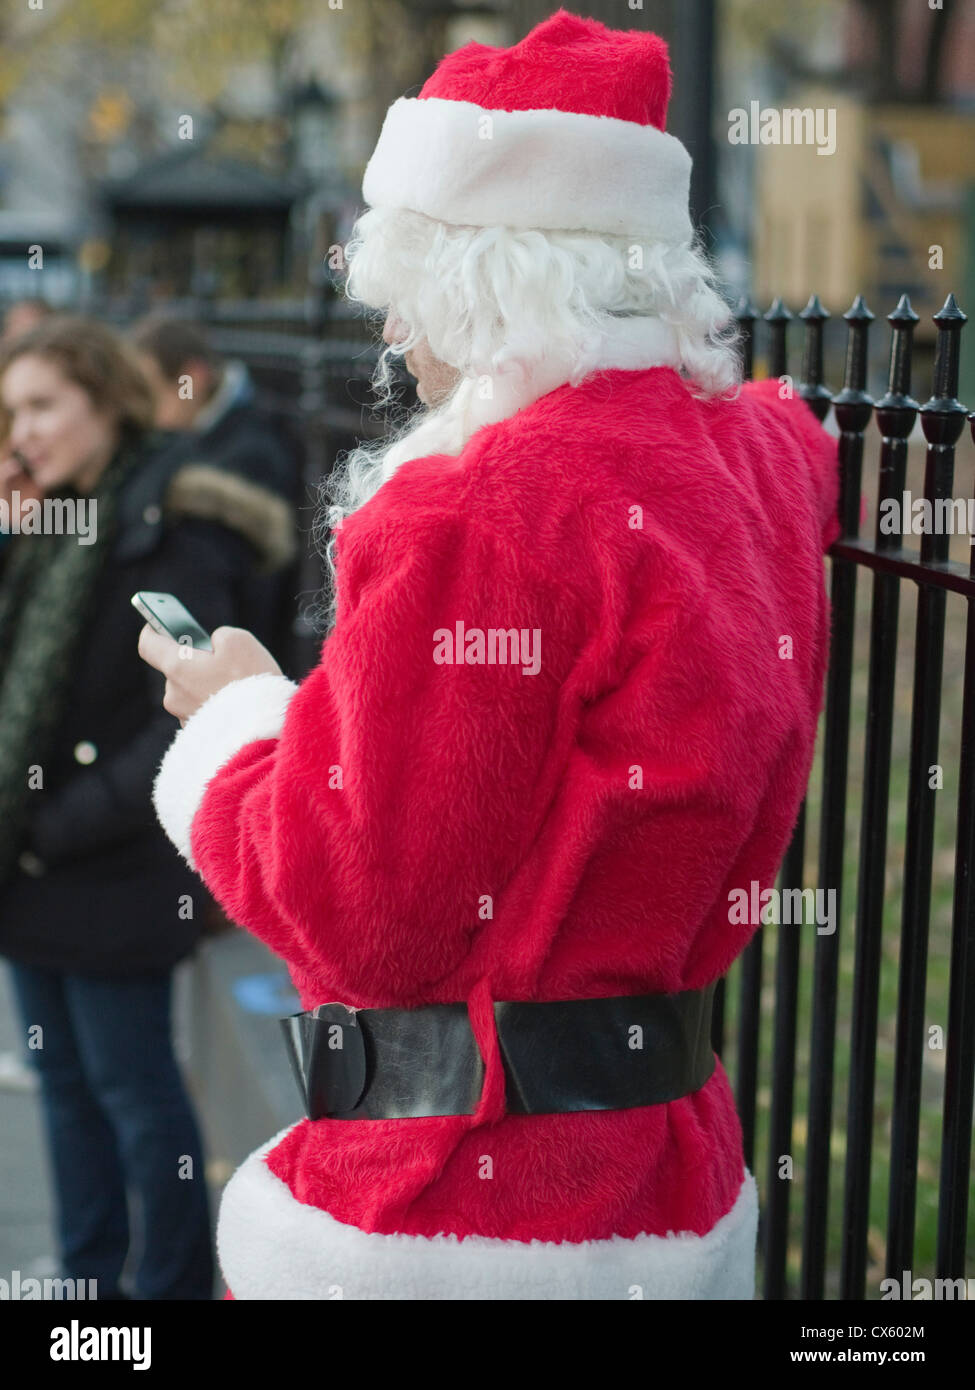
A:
(164, 613)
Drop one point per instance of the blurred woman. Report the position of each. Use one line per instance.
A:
(96, 907)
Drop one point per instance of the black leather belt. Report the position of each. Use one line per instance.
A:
(579, 1054)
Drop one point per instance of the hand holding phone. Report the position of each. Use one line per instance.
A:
(164, 613)
(233, 654)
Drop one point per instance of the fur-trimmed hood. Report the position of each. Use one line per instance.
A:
(172, 483)
(211, 493)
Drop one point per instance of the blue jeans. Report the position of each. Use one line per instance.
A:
(117, 1116)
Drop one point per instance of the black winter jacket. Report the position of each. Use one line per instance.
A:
(246, 443)
(114, 897)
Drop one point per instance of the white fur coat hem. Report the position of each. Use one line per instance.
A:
(272, 1246)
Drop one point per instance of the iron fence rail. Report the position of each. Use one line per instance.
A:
(890, 563)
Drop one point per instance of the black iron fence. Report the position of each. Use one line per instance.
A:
(942, 420)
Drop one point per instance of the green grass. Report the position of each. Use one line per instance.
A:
(936, 1009)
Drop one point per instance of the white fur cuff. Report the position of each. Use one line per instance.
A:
(240, 713)
(459, 163)
(272, 1246)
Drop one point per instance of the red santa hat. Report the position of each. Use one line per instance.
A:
(565, 130)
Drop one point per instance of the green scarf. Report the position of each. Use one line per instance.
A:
(46, 593)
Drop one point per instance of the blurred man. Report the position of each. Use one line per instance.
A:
(199, 392)
(23, 315)
(211, 404)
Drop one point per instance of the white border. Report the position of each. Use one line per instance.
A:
(459, 163)
(272, 1246)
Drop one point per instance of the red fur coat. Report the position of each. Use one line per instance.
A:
(403, 829)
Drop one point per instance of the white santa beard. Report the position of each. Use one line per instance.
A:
(633, 343)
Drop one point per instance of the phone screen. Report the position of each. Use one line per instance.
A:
(164, 613)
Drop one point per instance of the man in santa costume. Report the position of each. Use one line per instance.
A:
(566, 708)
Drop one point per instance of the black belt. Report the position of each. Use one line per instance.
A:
(579, 1054)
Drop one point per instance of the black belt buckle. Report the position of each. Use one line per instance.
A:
(385, 1063)
(328, 1057)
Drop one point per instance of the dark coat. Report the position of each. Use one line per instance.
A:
(247, 442)
(114, 897)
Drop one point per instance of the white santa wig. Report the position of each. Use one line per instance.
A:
(517, 313)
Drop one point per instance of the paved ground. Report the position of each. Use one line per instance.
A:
(227, 1001)
(26, 1242)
